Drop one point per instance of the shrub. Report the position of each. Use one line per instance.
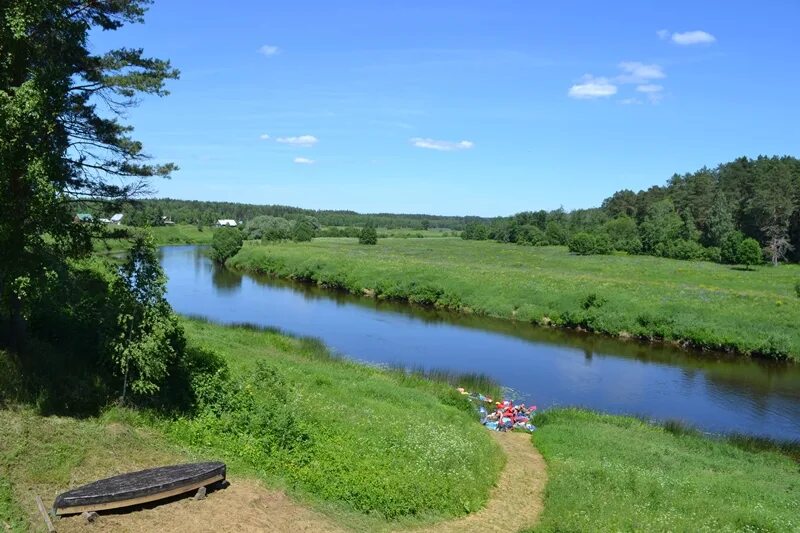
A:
(602, 245)
(681, 249)
(582, 244)
(729, 249)
(749, 253)
(713, 254)
(368, 235)
(303, 230)
(556, 233)
(268, 228)
(226, 243)
(475, 231)
(593, 301)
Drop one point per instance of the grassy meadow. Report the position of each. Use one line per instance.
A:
(705, 305)
(163, 235)
(612, 473)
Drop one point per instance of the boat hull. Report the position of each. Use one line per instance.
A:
(136, 488)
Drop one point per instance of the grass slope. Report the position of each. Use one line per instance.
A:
(611, 473)
(45, 455)
(704, 304)
(379, 442)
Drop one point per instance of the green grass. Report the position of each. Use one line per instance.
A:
(380, 442)
(46, 455)
(705, 305)
(163, 235)
(611, 473)
(379, 448)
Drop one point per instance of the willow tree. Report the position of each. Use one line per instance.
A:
(62, 138)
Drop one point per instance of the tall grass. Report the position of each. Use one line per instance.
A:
(611, 473)
(704, 305)
(395, 445)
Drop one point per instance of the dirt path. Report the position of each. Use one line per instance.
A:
(514, 503)
(243, 506)
(517, 500)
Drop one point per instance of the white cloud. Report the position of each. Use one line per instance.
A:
(592, 88)
(443, 146)
(649, 88)
(693, 37)
(303, 161)
(636, 72)
(301, 140)
(269, 50)
(264, 137)
(630, 101)
(652, 91)
(663, 34)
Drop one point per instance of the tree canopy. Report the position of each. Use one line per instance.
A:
(62, 141)
(368, 235)
(226, 243)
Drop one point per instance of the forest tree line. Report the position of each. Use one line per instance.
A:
(708, 214)
(151, 212)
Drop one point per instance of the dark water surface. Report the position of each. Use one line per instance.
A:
(549, 367)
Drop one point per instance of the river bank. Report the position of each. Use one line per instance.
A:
(691, 304)
(373, 463)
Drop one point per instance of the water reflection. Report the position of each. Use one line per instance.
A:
(553, 367)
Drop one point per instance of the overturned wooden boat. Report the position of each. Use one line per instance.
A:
(135, 488)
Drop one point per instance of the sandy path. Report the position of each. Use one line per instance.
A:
(249, 506)
(243, 506)
(517, 500)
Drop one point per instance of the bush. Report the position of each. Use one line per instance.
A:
(368, 235)
(593, 301)
(268, 228)
(681, 249)
(303, 230)
(582, 244)
(749, 253)
(226, 243)
(602, 245)
(729, 249)
(475, 231)
(713, 254)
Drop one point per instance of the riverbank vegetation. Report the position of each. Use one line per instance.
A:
(612, 473)
(702, 304)
(355, 440)
(347, 439)
(119, 238)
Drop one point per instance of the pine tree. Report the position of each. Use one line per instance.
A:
(61, 140)
(720, 221)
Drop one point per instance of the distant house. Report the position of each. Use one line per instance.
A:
(167, 221)
(117, 219)
(226, 222)
(83, 217)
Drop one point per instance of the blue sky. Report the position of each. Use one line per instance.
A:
(469, 107)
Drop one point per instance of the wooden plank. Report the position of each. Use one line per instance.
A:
(140, 500)
(45, 515)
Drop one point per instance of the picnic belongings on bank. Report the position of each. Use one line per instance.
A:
(506, 415)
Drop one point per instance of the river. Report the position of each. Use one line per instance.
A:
(715, 392)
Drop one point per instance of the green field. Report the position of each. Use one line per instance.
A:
(705, 305)
(612, 473)
(163, 236)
